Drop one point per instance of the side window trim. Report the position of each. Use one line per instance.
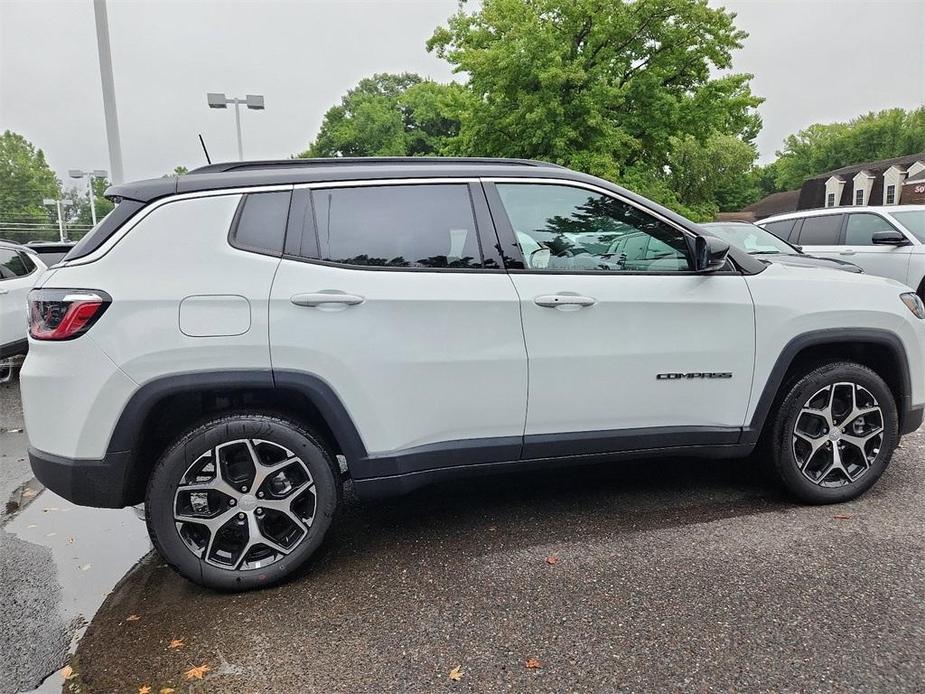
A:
(482, 219)
(513, 256)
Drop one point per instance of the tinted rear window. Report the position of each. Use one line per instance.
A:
(14, 264)
(105, 228)
(400, 226)
(820, 231)
(781, 229)
(260, 223)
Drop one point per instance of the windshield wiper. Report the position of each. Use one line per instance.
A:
(765, 253)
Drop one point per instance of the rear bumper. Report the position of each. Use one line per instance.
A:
(98, 483)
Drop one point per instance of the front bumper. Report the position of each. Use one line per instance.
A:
(98, 483)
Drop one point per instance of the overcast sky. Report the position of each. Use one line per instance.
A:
(813, 60)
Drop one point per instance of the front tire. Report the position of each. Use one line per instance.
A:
(242, 502)
(834, 433)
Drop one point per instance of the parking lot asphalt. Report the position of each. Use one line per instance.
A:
(679, 575)
(57, 563)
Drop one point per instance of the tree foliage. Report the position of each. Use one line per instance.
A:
(25, 180)
(78, 210)
(823, 147)
(622, 90)
(389, 115)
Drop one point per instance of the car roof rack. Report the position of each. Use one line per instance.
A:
(224, 167)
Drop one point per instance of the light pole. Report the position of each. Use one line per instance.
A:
(109, 90)
(96, 173)
(58, 205)
(252, 101)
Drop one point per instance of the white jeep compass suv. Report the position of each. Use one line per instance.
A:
(219, 339)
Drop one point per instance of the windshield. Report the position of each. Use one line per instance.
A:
(750, 238)
(914, 221)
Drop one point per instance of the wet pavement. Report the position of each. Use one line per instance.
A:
(658, 576)
(57, 563)
(650, 576)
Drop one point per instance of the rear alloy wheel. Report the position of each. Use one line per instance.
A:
(242, 502)
(835, 433)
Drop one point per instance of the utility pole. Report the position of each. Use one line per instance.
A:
(109, 91)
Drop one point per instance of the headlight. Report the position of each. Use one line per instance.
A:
(912, 300)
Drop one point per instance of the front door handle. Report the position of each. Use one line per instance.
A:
(565, 302)
(847, 252)
(4, 291)
(327, 298)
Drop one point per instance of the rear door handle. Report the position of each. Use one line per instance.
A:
(848, 252)
(329, 298)
(565, 302)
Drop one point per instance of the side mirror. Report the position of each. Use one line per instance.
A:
(889, 238)
(710, 253)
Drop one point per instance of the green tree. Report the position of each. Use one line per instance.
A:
(78, 211)
(599, 86)
(25, 180)
(715, 176)
(823, 147)
(389, 115)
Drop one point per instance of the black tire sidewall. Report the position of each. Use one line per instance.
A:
(177, 460)
(784, 460)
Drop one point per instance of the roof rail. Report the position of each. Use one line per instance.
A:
(225, 167)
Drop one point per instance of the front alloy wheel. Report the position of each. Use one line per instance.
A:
(838, 434)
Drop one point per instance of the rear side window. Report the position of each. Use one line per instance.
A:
(399, 226)
(862, 226)
(781, 229)
(14, 264)
(820, 231)
(260, 222)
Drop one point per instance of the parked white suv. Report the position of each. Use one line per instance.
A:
(19, 269)
(222, 337)
(885, 241)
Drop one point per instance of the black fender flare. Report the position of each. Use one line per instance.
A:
(833, 336)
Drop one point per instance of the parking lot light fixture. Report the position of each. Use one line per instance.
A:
(254, 102)
(95, 173)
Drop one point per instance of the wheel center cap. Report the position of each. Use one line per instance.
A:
(834, 435)
(247, 503)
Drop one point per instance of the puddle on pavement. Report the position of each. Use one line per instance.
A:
(92, 550)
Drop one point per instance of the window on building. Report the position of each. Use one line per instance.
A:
(859, 196)
(830, 200)
(891, 195)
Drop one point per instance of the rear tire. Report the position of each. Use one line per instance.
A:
(834, 433)
(242, 501)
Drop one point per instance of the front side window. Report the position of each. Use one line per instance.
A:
(820, 231)
(913, 220)
(398, 226)
(567, 229)
(14, 264)
(891, 195)
(862, 226)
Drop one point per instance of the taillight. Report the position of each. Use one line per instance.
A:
(63, 314)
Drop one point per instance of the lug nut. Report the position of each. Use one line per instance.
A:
(259, 495)
(241, 516)
(244, 489)
(259, 511)
(231, 502)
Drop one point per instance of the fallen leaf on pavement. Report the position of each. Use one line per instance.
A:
(841, 516)
(68, 672)
(144, 689)
(176, 643)
(28, 493)
(85, 567)
(196, 673)
(167, 690)
(552, 560)
(132, 618)
(456, 673)
(70, 540)
(532, 664)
